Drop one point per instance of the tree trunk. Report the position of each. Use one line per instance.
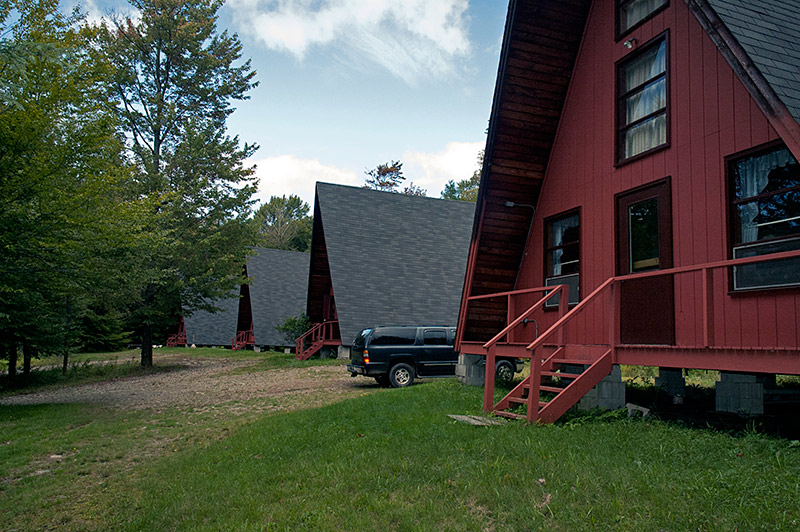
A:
(147, 346)
(12, 360)
(65, 363)
(27, 352)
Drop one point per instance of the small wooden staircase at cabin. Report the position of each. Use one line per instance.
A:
(242, 340)
(317, 337)
(555, 386)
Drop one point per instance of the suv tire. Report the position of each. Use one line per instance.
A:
(401, 375)
(504, 372)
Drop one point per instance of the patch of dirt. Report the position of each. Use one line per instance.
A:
(203, 383)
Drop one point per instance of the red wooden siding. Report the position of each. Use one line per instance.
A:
(712, 115)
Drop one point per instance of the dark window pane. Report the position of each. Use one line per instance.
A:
(765, 173)
(435, 337)
(651, 98)
(563, 231)
(769, 274)
(394, 336)
(573, 281)
(643, 230)
(633, 11)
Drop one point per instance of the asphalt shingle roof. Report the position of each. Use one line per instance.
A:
(769, 31)
(206, 328)
(394, 259)
(277, 291)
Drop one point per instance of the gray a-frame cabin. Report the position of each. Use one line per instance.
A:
(277, 291)
(380, 258)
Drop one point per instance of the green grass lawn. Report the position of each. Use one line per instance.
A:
(387, 460)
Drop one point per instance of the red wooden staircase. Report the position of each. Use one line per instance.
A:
(243, 339)
(178, 339)
(560, 374)
(314, 339)
(556, 384)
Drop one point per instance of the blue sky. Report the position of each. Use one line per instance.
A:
(348, 84)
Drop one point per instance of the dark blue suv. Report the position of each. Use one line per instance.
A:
(397, 355)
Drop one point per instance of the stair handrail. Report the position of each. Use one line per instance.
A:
(569, 315)
(317, 332)
(551, 292)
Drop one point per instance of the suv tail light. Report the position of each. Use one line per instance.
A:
(366, 356)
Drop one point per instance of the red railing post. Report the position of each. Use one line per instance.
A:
(563, 308)
(708, 307)
(613, 319)
(533, 392)
(509, 318)
(488, 385)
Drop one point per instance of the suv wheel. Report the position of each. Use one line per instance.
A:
(503, 372)
(401, 375)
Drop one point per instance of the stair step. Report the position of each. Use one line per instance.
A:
(574, 361)
(521, 401)
(562, 375)
(553, 389)
(509, 415)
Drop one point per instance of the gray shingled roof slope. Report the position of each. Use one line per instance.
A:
(205, 328)
(277, 291)
(394, 259)
(769, 31)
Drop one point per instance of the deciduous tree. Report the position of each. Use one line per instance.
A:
(388, 177)
(174, 82)
(284, 223)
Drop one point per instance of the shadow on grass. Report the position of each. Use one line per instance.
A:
(83, 373)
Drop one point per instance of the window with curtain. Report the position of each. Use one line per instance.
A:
(642, 101)
(562, 255)
(765, 214)
(632, 12)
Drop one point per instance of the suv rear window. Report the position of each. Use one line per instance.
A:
(361, 338)
(394, 336)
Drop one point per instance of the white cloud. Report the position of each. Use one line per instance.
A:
(283, 175)
(410, 38)
(96, 16)
(432, 170)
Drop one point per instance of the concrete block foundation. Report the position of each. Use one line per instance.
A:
(742, 393)
(471, 369)
(609, 392)
(671, 380)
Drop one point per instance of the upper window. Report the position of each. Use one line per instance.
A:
(563, 255)
(632, 12)
(642, 101)
(765, 214)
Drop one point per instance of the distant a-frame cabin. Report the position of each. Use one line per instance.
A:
(639, 200)
(380, 258)
(247, 319)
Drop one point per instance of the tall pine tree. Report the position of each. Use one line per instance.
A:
(174, 83)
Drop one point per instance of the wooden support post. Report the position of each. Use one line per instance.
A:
(708, 307)
(532, 415)
(488, 384)
(563, 308)
(613, 319)
(509, 319)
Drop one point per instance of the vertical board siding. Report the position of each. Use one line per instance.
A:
(712, 116)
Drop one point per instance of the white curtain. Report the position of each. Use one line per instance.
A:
(650, 99)
(752, 176)
(636, 11)
(559, 229)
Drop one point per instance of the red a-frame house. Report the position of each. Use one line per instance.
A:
(642, 157)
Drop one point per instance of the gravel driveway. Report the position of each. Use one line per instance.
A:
(203, 382)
